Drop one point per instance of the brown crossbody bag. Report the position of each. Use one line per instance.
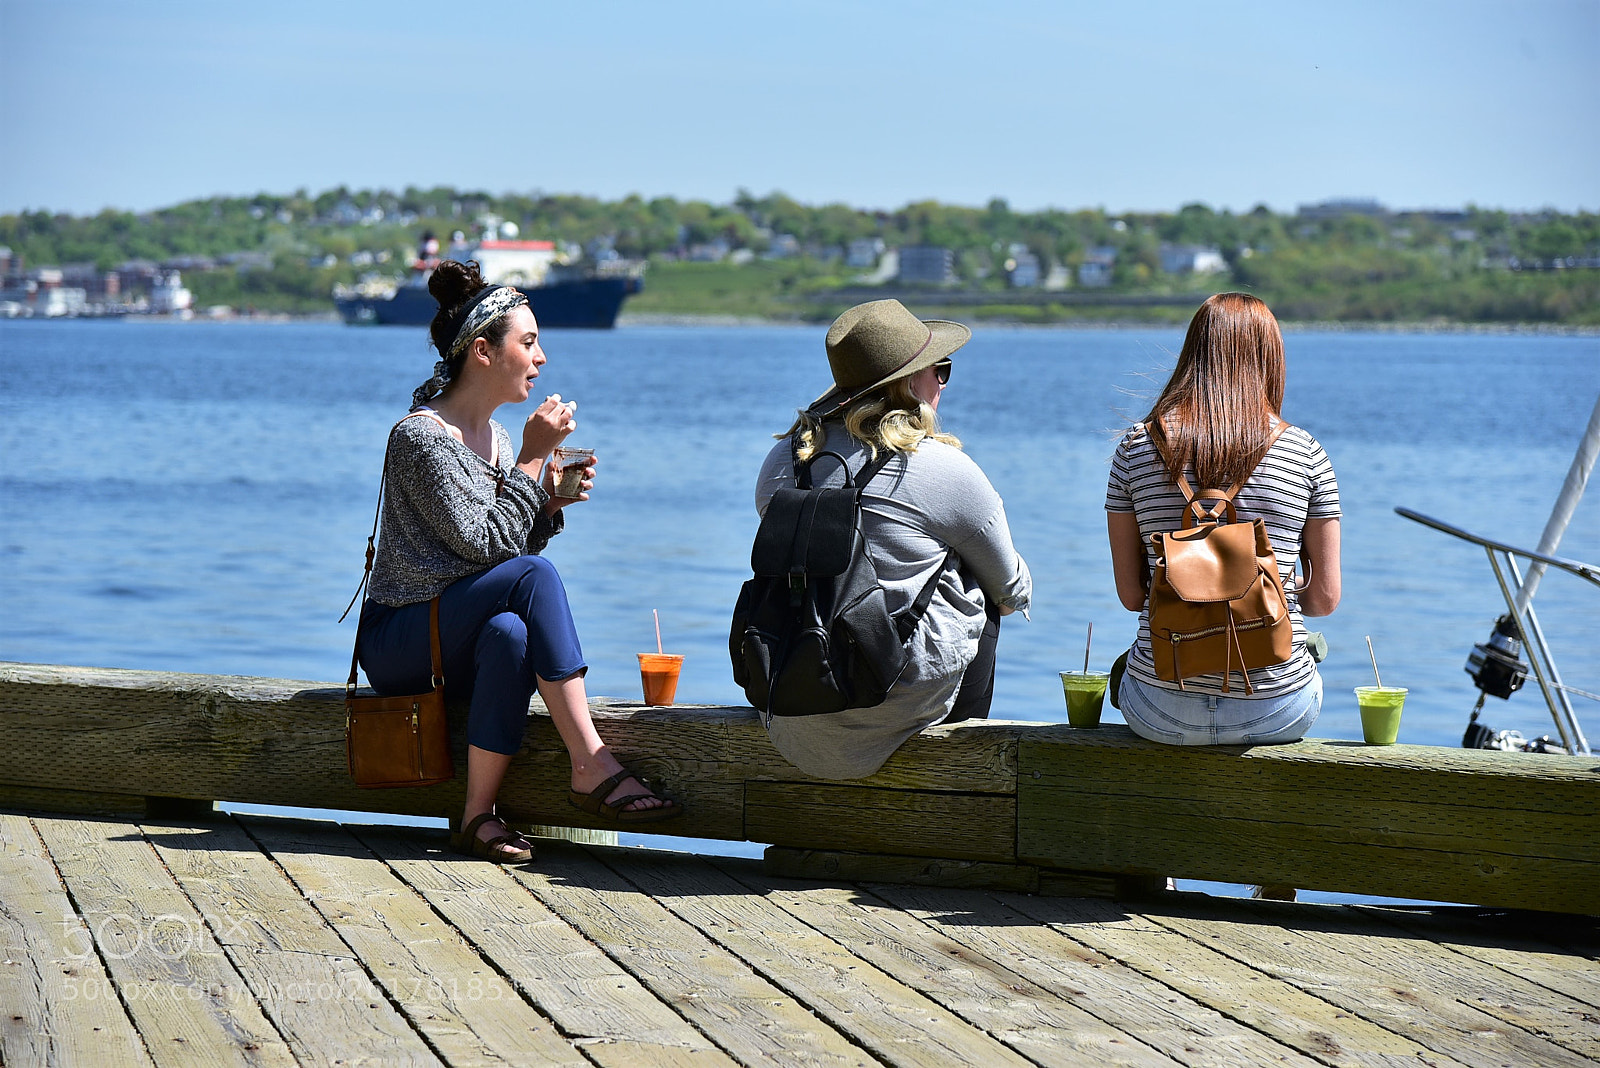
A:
(402, 740)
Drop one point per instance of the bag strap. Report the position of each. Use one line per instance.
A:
(436, 658)
(802, 470)
(366, 574)
(1194, 506)
(377, 512)
(905, 623)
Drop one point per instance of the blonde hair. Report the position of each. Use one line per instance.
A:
(891, 418)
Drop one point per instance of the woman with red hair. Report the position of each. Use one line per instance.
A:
(1218, 423)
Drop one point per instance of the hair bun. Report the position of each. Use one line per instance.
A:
(452, 282)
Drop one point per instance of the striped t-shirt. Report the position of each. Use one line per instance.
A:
(1293, 483)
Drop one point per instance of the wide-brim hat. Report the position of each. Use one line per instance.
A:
(877, 342)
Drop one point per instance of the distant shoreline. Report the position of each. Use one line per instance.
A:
(626, 321)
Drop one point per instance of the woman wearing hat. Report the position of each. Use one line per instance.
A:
(929, 511)
(464, 518)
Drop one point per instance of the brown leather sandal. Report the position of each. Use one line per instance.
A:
(595, 804)
(500, 849)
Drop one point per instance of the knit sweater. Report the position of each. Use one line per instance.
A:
(442, 519)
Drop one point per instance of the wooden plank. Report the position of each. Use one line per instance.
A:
(1542, 781)
(1281, 1010)
(1209, 842)
(1504, 995)
(752, 1020)
(891, 1020)
(1054, 882)
(610, 1016)
(1514, 946)
(1153, 1012)
(1408, 821)
(1284, 940)
(836, 866)
(468, 1011)
(1039, 1025)
(867, 820)
(981, 756)
(345, 905)
(188, 1001)
(77, 802)
(279, 741)
(59, 1007)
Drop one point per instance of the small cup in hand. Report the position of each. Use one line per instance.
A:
(570, 464)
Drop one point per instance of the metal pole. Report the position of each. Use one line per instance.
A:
(1566, 503)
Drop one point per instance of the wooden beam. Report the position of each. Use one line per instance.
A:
(867, 820)
(1508, 829)
(831, 865)
(1092, 810)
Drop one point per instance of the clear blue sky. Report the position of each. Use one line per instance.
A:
(1125, 105)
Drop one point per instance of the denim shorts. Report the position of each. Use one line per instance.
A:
(1178, 718)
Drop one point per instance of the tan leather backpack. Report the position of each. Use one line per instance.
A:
(1217, 603)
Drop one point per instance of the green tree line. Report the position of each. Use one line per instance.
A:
(1476, 265)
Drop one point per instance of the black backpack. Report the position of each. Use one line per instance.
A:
(811, 631)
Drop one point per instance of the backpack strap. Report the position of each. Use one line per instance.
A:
(802, 469)
(905, 623)
(1195, 507)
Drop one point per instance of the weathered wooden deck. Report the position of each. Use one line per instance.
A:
(256, 940)
(932, 914)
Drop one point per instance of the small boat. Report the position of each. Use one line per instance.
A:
(561, 293)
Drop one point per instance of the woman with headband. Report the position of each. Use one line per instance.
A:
(464, 519)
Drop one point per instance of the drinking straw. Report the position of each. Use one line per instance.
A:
(1374, 662)
(1086, 642)
(658, 629)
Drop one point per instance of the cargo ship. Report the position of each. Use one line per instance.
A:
(561, 293)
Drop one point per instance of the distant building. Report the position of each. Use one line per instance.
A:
(863, 252)
(7, 261)
(1097, 266)
(1058, 278)
(709, 252)
(927, 265)
(782, 247)
(54, 302)
(1191, 259)
(1339, 208)
(1022, 268)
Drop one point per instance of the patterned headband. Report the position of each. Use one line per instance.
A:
(490, 306)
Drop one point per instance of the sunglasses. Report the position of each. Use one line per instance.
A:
(942, 369)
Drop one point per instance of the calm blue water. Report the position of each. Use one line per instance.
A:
(196, 497)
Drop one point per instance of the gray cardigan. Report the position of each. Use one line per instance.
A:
(441, 518)
(922, 504)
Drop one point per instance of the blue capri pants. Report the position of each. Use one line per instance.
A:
(500, 631)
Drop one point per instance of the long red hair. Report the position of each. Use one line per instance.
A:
(1214, 413)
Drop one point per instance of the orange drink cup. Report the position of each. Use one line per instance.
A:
(1380, 712)
(659, 673)
(1086, 692)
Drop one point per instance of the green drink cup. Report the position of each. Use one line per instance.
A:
(1086, 692)
(1380, 712)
